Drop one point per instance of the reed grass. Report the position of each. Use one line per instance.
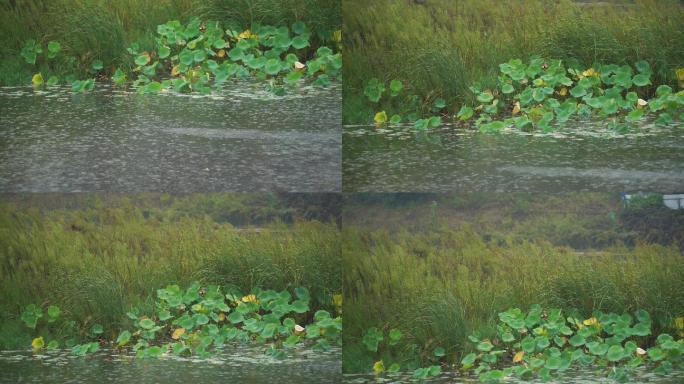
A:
(440, 276)
(97, 258)
(441, 47)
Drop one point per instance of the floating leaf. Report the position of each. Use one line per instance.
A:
(395, 87)
(142, 59)
(465, 113)
(97, 65)
(37, 80)
(124, 338)
(518, 357)
(378, 367)
(641, 80)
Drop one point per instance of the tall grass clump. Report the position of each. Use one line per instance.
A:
(449, 278)
(100, 258)
(439, 48)
(322, 16)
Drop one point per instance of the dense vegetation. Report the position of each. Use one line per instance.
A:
(438, 48)
(543, 94)
(446, 266)
(200, 320)
(185, 45)
(96, 258)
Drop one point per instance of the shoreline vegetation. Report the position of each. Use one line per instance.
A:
(424, 291)
(99, 258)
(438, 50)
(190, 46)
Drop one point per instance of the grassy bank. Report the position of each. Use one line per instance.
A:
(91, 30)
(98, 257)
(438, 48)
(454, 262)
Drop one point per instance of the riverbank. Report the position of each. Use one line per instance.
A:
(96, 30)
(440, 48)
(98, 257)
(449, 264)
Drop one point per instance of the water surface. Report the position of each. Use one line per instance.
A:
(581, 156)
(571, 376)
(239, 365)
(241, 138)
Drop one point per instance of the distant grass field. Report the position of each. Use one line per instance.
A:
(102, 29)
(439, 268)
(438, 48)
(98, 257)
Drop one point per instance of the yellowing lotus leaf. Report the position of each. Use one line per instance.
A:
(37, 79)
(178, 333)
(590, 72)
(221, 53)
(38, 343)
(516, 108)
(249, 298)
(518, 357)
(590, 321)
(680, 74)
(380, 118)
(378, 367)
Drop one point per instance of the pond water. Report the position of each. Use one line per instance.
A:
(241, 138)
(240, 365)
(572, 376)
(582, 156)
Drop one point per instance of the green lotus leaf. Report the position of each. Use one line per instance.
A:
(485, 97)
(485, 346)
(643, 67)
(576, 341)
(641, 80)
(615, 353)
(468, 360)
(465, 113)
(146, 324)
(395, 87)
(124, 338)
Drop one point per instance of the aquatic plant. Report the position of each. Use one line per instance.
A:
(535, 95)
(110, 254)
(199, 56)
(201, 320)
(440, 279)
(31, 316)
(197, 319)
(33, 51)
(540, 92)
(373, 340)
(545, 343)
(441, 47)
